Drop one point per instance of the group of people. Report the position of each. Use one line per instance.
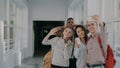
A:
(87, 49)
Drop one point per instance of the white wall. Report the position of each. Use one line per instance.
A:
(86, 8)
(10, 58)
(93, 7)
(109, 9)
(48, 9)
(2, 17)
(24, 46)
(2, 64)
(2, 9)
(76, 10)
(103, 8)
(44, 10)
(119, 8)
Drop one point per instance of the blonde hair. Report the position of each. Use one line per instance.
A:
(73, 33)
(92, 19)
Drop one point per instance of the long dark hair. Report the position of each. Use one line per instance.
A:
(83, 28)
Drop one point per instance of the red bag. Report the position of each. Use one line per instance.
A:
(110, 60)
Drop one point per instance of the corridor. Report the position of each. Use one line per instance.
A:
(24, 24)
(32, 63)
(37, 63)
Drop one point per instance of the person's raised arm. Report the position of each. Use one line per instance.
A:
(101, 24)
(46, 39)
(103, 35)
(99, 20)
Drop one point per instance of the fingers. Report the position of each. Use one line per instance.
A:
(69, 42)
(53, 31)
(76, 44)
(96, 17)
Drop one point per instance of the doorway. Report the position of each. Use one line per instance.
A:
(41, 29)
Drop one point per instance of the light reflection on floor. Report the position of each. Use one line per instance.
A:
(37, 63)
(32, 63)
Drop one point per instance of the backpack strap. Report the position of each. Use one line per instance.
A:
(88, 39)
(72, 54)
(100, 43)
(101, 46)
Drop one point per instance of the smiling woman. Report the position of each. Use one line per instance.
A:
(61, 47)
(41, 29)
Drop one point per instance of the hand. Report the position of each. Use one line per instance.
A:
(76, 44)
(95, 17)
(98, 19)
(53, 31)
(68, 43)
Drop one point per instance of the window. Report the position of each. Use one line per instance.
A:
(113, 27)
(9, 25)
(119, 7)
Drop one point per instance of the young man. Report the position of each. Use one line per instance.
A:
(70, 22)
(95, 57)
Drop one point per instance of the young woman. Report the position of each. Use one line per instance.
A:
(61, 47)
(80, 51)
(95, 58)
(69, 23)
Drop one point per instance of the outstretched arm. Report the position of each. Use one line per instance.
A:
(99, 20)
(46, 39)
(103, 35)
(101, 24)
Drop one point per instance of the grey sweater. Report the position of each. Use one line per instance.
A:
(61, 54)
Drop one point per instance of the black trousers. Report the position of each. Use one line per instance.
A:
(55, 66)
(95, 65)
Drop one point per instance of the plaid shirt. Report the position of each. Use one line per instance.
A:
(94, 53)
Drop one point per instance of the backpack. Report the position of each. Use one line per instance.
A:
(109, 60)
